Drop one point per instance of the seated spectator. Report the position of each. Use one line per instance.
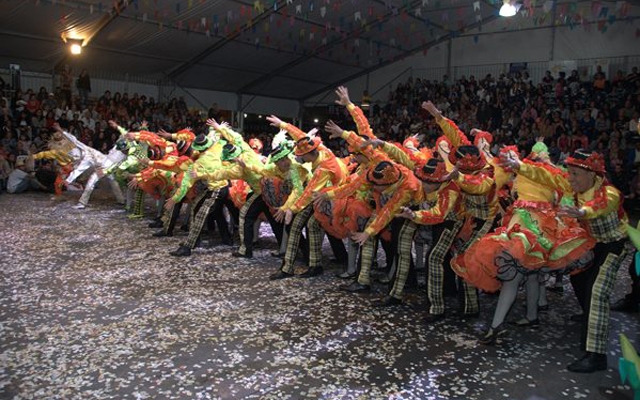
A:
(22, 179)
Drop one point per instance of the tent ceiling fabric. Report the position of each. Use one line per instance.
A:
(275, 48)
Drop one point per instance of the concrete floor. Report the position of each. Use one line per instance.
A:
(91, 306)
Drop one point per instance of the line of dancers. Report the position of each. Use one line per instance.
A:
(498, 222)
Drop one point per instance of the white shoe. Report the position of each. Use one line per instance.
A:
(79, 206)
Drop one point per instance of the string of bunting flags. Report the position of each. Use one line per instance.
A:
(312, 24)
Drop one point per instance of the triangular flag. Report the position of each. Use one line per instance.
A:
(323, 11)
(476, 6)
(604, 11)
(548, 6)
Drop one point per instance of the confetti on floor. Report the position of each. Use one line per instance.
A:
(93, 306)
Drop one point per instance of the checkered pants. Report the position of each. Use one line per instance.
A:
(138, 202)
(315, 233)
(200, 212)
(170, 217)
(405, 241)
(438, 259)
(593, 289)
(367, 253)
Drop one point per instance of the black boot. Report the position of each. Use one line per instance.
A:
(240, 255)
(431, 318)
(524, 323)
(626, 305)
(183, 251)
(162, 233)
(386, 301)
(311, 272)
(355, 287)
(346, 275)
(591, 362)
(157, 223)
(280, 275)
(490, 337)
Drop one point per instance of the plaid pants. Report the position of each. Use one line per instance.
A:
(201, 211)
(170, 217)
(438, 258)
(593, 289)
(138, 202)
(315, 233)
(367, 253)
(405, 241)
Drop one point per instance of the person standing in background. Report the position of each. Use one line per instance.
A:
(65, 83)
(83, 83)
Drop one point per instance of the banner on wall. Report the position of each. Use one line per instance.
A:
(517, 67)
(565, 66)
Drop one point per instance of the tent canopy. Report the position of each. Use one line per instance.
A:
(278, 48)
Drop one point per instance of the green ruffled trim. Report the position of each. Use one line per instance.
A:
(565, 249)
(527, 245)
(532, 225)
(296, 180)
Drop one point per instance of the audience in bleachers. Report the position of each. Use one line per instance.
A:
(599, 114)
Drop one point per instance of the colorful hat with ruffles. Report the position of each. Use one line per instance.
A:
(482, 135)
(307, 145)
(434, 171)
(256, 144)
(230, 152)
(284, 149)
(202, 142)
(443, 139)
(384, 173)
(538, 150)
(588, 160)
(411, 142)
(155, 153)
(467, 158)
(183, 146)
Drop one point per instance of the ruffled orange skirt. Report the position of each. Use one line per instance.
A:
(238, 192)
(341, 217)
(275, 192)
(534, 238)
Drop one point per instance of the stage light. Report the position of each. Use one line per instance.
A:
(509, 8)
(75, 46)
(315, 120)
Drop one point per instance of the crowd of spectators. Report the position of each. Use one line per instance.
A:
(569, 112)
(27, 117)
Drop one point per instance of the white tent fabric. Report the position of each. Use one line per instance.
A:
(300, 49)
